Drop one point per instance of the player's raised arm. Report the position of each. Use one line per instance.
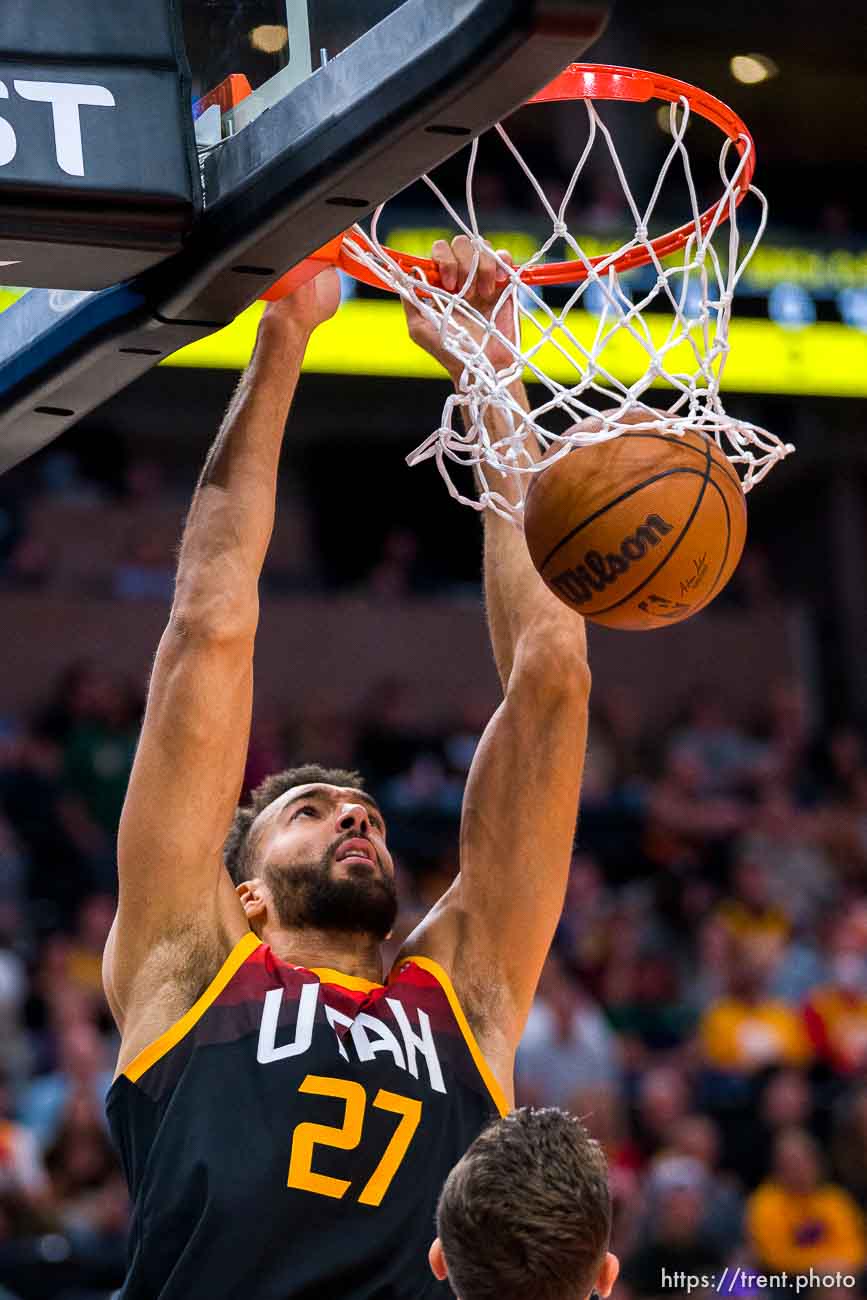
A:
(494, 927)
(188, 769)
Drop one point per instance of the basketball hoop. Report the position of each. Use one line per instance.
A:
(695, 283)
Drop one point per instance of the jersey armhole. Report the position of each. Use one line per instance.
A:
(170, 1037)
(444, 980)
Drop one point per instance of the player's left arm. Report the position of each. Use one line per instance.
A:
(493, 928)
(518, 826)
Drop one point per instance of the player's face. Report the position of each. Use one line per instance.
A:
(322, 855)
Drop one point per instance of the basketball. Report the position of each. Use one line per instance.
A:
(638, 532)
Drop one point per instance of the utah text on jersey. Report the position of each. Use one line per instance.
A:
(289, 1136)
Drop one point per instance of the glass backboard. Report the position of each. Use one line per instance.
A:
(246, 55)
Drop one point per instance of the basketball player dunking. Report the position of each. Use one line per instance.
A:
(287, 1116)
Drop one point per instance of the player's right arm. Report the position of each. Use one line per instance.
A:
(173, 891)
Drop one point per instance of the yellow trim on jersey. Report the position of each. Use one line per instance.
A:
(172, 1036)
(328, 976)
(445, 983)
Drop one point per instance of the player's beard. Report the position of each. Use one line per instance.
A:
(308, 896)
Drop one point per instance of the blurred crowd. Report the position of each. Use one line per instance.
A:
(111, 532)
(704, 1008)
(705, 1005)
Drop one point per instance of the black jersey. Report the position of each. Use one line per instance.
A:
(288, 1138)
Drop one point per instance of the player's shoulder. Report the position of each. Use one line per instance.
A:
(152, 980)
(452, 950)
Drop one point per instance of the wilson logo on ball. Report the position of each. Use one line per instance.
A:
(599, 571)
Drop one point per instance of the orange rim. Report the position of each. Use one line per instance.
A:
(578, 81)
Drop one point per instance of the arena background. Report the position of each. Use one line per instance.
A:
(706, 1004)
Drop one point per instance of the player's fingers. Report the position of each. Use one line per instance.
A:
(464, 255)
(446, 264)
(504, 256)
(486, 276)
(410, 311)
(414, 320)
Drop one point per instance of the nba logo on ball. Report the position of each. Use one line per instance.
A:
(639, 531)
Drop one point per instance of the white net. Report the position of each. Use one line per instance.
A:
(485, 425)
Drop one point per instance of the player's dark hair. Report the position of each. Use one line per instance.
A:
(236, 850)
(527, 1210)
